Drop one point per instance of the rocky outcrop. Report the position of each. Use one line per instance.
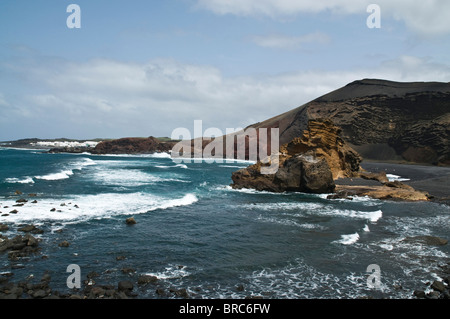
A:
(381, 120)
(309, 163)
(313, 162)
(301, 173)
(133, 146)
(384, 192)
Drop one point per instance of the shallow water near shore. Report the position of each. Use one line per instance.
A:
(194, 232)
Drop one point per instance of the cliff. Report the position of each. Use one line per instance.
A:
(313, 162)
(381, 120)
(309, 163)
(133, 145)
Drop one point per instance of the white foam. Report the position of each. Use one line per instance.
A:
(348, 239)
(85, 207)
(248, 190)
(67, 173)
(392, 178)
(313, 208)
(171, 272)
(366, 228)
(128, 177)
(153, 155)
(178, 165)
(24, 180)
(232, 166)
(371, 216)
(56, 176)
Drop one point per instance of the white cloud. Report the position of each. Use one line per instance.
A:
(106, 98)
(279, 41)
(425, 17)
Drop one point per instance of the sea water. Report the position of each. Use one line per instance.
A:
(195, 232)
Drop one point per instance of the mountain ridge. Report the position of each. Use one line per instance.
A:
(381, 119)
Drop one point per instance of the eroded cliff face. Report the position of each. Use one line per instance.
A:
(381, 120)
(309, 163)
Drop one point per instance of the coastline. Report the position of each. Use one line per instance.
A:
(416, 174)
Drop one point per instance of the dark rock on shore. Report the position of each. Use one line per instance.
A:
(306, 164)
(133, 146)
(19, 246)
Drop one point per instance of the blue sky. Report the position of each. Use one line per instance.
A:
(141, 68)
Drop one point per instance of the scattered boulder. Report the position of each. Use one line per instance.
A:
(130, 221)
(128, 270)
(146, 279)
(27, 228)
(427, 240)
(125, 286)
(438, 286)
(64, 244)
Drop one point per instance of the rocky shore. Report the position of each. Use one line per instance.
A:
(321, 162)
(26, 244)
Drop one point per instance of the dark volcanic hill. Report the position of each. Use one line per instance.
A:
(382, 120)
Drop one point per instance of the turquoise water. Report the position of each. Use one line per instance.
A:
(193, 231)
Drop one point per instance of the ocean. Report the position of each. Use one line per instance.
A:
(195, 232)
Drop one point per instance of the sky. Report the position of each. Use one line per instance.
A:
(146, 67)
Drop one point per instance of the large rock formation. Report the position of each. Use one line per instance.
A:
(133, 146)
(381, 120)
(309, 163)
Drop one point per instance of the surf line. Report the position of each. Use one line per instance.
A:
(190, 309)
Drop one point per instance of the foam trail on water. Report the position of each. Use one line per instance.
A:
(84, 207)
(67, 173)
(348, 239)
(24, 180)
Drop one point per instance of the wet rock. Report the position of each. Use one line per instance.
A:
(39, 294)
(146, 279)
(22, 200)
(34, 202)
(17, 192)
(438, 286)
(15, 211)
(432, 295)
(27, 228)
(128, 270)
(427, 240)
(4, 227)
(125, 286)
(53, 210)
(181, 293)
(64, 244)
(130, 221)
